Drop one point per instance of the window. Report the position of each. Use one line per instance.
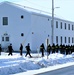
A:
(72, 27)
(68, 39)
(7, 38)
(61, 25)
(5, 20)
(56, 24)
(72, 39)
(22, 16)
(65, 40)
(22, 34)
(68, 26)
(61, 39)
(65, 25)
(57, 39)
(2, 38)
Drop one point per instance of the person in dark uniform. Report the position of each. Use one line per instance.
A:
(71, 49)
(53, 48)
(0, 49)
(57, 48)
(42, 48)
(10, 49)
(28, 50)
(66, 49)
(61, 49)
(48, 49)
(21, 48)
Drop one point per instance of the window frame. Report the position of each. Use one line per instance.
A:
(5, 20)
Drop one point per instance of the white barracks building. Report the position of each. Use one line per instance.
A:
(19, 25)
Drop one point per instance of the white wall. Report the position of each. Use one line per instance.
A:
(41, 27)
(16, 25)
(36, 27)
(63, 32)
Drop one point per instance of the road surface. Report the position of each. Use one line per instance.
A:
(63, 71)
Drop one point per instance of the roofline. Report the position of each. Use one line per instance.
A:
(39, 12)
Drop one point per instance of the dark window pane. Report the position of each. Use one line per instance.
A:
(22, 34)
(2, 38)
(5, 20)
(7, 38)
(56, 24)
(22, 16)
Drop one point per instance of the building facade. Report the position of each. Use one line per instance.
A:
(19, 25)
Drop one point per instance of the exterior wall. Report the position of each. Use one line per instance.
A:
(16, 25)
(35, 27)
(62, 32)
(41, 28)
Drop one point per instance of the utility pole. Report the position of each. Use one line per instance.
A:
(52, 21)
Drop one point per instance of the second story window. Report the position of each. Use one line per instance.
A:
(69, 26)
(22, 16)
(56, 24)
(72, 27)
(65, 26)
(5, 20)
(61, 25)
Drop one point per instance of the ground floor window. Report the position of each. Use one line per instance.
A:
(63, 40)
(2, 38)
(57, 39)
(7, 38)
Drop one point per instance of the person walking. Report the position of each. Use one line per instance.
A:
(48, 49)
(42, 48)
(21, 48)
(53, 48)
(28, 50)
(10, 49)
(57, 48)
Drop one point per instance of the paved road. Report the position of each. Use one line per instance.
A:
(63, 71)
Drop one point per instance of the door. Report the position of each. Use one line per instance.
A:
(5, 41)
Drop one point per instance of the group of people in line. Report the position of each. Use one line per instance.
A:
(10, 50)
(27, 49)
(63, 49)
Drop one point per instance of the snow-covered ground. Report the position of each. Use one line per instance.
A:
(17, 64)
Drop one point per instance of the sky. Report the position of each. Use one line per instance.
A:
(65, 10)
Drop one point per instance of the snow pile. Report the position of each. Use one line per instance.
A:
(55, 59)
(16, 63)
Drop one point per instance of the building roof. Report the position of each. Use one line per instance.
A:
(32, 10)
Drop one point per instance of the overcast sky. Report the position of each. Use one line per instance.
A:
(66, 10)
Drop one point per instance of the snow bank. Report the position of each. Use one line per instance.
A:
(16, 63)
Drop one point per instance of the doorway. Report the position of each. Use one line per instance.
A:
(5, 41)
